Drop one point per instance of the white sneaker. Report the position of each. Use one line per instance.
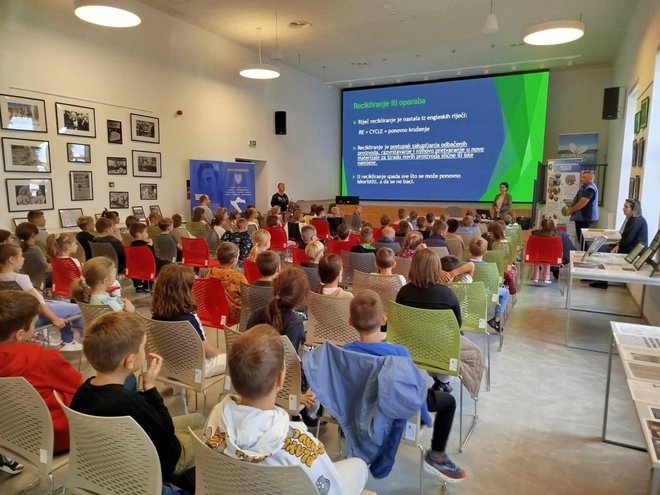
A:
(42, 338)
(72, 346)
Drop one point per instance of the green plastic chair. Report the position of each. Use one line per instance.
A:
(495, 256)
(473, 299)
(489, 275)
(153, 231)
(433, 338)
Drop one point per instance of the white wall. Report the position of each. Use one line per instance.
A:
(158, 68)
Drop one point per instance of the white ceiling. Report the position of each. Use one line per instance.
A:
(407, 40)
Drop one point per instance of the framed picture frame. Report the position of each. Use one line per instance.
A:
(635, 147)
(78, 153)
(26, 155)
(631, 187)
(637, 187)
(69, 217)
(149, 192)
(155, 209)
(146, 164)
(18, 113)
(19, 220)
(145, 129)
(117, 165)
(138, 211)
(74, 120)
(115, 135)
(97, 216)
(638, 121)
(29, 194)
(640, 152)
(82, 186)
(644, 113)
(118, 200)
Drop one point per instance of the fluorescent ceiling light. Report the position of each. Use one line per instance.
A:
(109, 13)
(260, 71)
(554, 33)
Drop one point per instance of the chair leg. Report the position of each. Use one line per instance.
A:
(421, 469)
(487, 352)
(474, 420)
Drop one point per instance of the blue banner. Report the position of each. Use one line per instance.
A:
(228, 184)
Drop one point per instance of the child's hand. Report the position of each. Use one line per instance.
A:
(150, 241)
(59, 322)
(149, 377)
(128, 305)
(446, 277)
(308, 399)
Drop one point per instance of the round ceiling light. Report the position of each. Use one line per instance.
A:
(260, 71)
(554, 33)
(108, 13)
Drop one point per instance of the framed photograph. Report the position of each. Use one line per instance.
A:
(118, 200)
(637, 187)
(97, 216)
(640, 152)
(115, 135)
(149, 191)
(74, 120)
(19, 220)
(145, 129)
(29, 194)
(631, 188)
(644, 113)
(146, 164)
(634, 153)
(78, 153)
(117, 165)
(156, 209)
(81, 186)
(138, 211)
(638, 117)
(69, 217)
(26, 155)
(23, 114)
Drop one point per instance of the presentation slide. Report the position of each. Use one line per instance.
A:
(444, 141)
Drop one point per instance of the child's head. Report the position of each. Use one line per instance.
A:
(98, 273)
(508, 219)
(367, 312)
(425, 269)
(430, 218)
(402, 213)
(421, 223)
(220, 213)
(227, 254)
(388, 233)
(412, 240)
(130, 220)
(18, 314)
(115, 341)
(11, 256)
(198, 214)
(478, 246)
(366, 235)
(307, 233)
(5, 236)
(85, 223)
(298, 216)
(173, 291)
(103, 225)
(271, 221)
(233, 215)
(139, 231)
(113, 216)
(250, 213)
(153, 219)
(385, 220)
(314, 250)
(413, 215)
(261, 238)
(439, 228)
(404, 228)
(452, 225)
(385, 258)
(289, 289)
(26, 232)
(60, 245)
(467, 221)
(256, 362)
(547, 226)
(36, 217)
(241, 224)
(165, 225)
(268, 263)
(343, 232)
(176, 220)
(450, 262)
(330, 268)
(496, 231)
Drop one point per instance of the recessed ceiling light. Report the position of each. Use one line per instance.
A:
(554, 33)
(300, 24)
(108, 13)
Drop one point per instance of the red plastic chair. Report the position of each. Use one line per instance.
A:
(322, 228)
(250, 271)
(140, 263)
(378, 233)
(561, 228)
(354, 238)
(212, 305)
(65, 271)
(278, 238)
(299, 256)
(196, 253)
(543, 251)
(336, 247)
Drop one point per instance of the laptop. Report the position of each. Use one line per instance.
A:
(484, 214)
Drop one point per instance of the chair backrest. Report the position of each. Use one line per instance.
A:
(508, 251)
(473, 299)
(250, 271)
(153, 231)
(386, 286)
(140, 263)
(394, 246)
(328, 320)
(195, 252)
(33, 268)
(79, 253)
(378, 232)
(253, 300)
(90, 312)
(110, 456)
(26, 427)
(10, 285)
(299, 256)
(182, 351)
(211, 238)
(402, 266)
(466, 236)
(165, 247)
(440, 251)
(496, 256)
(65, 271)
(278, 238)
(212, 305)
(544, 250)
(353, 221)
(126, 238)
(336, 247)
(455, 247)
(432, 336)
(364, 262)
(195, 227)
(312, 273)
(490, 276)
(288, 397)
(219, 474)
(322, 228)
(104, 249)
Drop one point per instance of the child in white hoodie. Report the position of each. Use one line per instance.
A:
(254, 429)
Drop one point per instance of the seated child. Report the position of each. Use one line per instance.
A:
(241, 237)
(366, 317)
(231, 280)
(451, 263)
(404, 228)
(260, 243)
(106, 229)
(421, 227)
(115, 348)
(141, 238)
(256, 366)
(85, 236)
(38, 219)
(452, 227)
(166, 226)
(437, 235)
(45, 369)
(366, 238)
(307, 235)
(330, 271)
(62, 246)
(173, 300)
(413, 242)
(385, 220)
(28, 236)
(314, 252)
(98, 275)
(268, 264)
(385, 261)
(343, 232)
(294, 225)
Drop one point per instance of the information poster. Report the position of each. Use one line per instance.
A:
(561, 187)
(582, 146)
(229, 185)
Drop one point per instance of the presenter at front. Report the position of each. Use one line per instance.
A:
(584, 211)
(280, 198)
(502, 202)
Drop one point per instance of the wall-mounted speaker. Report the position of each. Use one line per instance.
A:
(613, 103)
(280, 122)
(347, 200)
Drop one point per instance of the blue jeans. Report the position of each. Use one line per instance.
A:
(504, 295)
(62, 310)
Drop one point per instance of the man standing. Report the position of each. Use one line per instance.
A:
(280, 198)
(585, 204)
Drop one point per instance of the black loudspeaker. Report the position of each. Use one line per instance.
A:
(280, 122)
(347, 200)
(613, 103)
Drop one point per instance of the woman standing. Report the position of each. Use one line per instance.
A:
(280, 198)
(502, 202)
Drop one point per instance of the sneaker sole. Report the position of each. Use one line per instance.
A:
(9, 470)
(431, 470)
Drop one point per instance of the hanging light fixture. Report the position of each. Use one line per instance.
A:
(260, 70)
(490, 24)
(276, 53)
(554, 33)
(108, 13)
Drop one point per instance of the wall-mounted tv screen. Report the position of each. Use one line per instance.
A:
(453, 140)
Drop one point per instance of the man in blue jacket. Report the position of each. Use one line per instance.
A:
(584, 211)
